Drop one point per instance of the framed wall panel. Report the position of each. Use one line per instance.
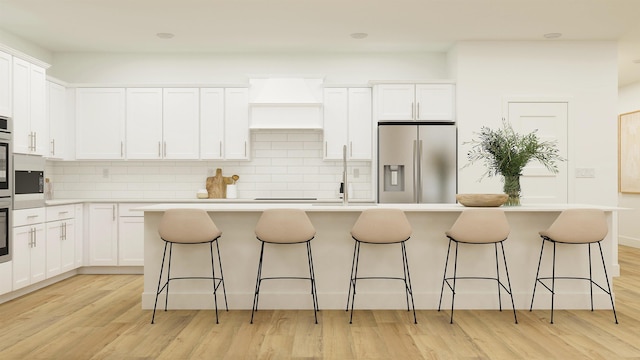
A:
(629, 153)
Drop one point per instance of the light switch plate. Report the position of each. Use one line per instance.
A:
(585, 172)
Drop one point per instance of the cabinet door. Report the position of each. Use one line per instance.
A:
(181, 123)
(38, 254)
(6, 272)
(236, 124)
(38, 109)
(21, 257)
(68, 246)
(54, 240)
(435, 102)
(57, 119)
(131, 241)
(395, 102)
(360, 124)
(103, 235)
(100, 119)
(144, 123)
(6, 61)
(211, 123)
(22, 137)
(79, 235)
(336, 113)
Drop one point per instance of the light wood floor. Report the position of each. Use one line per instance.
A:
(100, 317)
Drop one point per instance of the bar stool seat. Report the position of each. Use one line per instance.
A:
(283, 227)
(188, 227)
(478, 227)
(379, 227)
(575, 227)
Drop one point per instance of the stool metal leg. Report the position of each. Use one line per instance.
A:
(453, 289)
(606, 276)
(407, 281)
(224, 290)
(495, 246)
(506, 269)
(590, 276)
(537, 276)
(353, 265)
(213, 278)
(444, 276)
(553, 280)
(164, 253)
(354, 279)
(258, 280)
(314, 294)
(166, 298)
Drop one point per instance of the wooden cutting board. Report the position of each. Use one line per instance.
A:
(217, 185)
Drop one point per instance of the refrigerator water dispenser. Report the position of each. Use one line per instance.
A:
(394, 178)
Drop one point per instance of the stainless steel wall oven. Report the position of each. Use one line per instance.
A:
(6, 190)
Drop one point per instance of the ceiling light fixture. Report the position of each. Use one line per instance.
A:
(359, 35)
(552, 35)
(164, 35)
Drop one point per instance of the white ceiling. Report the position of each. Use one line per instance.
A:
(206, 26)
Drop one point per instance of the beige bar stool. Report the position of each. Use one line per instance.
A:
(285, 226)
(478, 226)
(575, 226)
(189, 227)
(376, 227)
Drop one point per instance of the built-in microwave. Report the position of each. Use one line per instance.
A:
(28, 184)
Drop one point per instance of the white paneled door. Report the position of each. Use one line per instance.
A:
(550, 119)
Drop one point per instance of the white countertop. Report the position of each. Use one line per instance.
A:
(330, 207)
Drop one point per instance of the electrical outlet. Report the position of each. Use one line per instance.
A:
(585, 172)
(105, 173)
(210, 172)
(356, 173)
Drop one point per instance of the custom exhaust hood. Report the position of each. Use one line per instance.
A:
(285, 103)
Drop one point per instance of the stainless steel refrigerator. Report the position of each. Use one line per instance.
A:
(417, 162)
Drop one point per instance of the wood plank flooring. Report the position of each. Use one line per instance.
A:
(100, 317)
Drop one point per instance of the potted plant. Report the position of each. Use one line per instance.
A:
(505, 152)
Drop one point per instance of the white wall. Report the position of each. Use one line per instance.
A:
(629, 227)
(238, 68)
(583, 72)
(18, 44)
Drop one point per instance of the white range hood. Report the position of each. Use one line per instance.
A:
(286, 103)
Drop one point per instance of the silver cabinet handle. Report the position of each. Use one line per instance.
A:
(412, 112)
(326, 151)
(350, 149)
(35, 140)
(245, 148)
(418, 117)
(415, 173)
(53, 146)
(159, 149)
(220, 149)
(121, 148)
(419, 183)
(113, 212)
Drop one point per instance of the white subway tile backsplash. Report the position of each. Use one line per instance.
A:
(284, 163)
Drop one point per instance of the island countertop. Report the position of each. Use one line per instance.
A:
(333, 249)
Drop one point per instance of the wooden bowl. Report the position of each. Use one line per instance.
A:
(482, 200)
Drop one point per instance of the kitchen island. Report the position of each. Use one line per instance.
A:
(333, 249)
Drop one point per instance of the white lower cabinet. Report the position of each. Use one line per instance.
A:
(61, 239)
(29, 247)
(6, 272)
(103, 234)
(130, 235)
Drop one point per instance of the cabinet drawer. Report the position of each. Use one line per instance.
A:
(61, 212)
(127, 209)
(28, 216)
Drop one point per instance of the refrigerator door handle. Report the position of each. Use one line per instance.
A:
(419, 171)
(415, 171)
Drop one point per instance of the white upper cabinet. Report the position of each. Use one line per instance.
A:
(59, 128)
(100, 123)
(29, 108)
(236, 124)
(162, 123)
(347, 121)
(144, 123)
(211, 123)
(415, 102)
(6, 62)
(181, 123)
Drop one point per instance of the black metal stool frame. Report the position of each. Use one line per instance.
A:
(445, 279)
(217, 281)
(311, 278)
(351, 297)
(553, 277)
